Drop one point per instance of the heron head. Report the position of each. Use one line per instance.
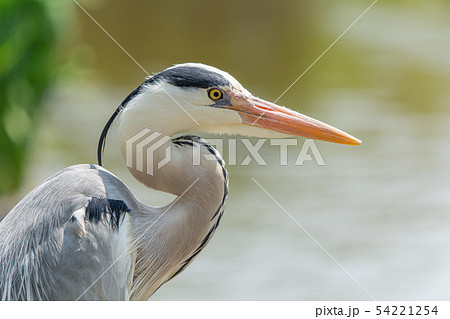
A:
(194, 97)
(197, 97)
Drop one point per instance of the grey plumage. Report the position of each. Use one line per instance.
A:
(49, 252)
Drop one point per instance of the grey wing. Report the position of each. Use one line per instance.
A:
(70, 238)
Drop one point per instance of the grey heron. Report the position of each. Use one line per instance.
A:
(82, 235)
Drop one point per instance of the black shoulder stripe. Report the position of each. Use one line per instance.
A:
(99, 208)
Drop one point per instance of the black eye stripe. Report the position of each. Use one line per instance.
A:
(191, 76)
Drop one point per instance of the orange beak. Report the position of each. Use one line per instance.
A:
(257, 112)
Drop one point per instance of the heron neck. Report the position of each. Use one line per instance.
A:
(183, 167)
(186, 224)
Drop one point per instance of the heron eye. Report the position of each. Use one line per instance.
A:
(215, 94)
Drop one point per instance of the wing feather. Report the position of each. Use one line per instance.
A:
(70, 238)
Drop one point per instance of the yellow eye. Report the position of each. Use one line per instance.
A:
(215, 94)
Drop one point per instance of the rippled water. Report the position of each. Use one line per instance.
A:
(381, 210)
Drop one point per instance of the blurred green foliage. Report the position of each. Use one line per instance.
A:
(27, 40)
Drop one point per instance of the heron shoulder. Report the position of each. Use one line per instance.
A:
(69, 219)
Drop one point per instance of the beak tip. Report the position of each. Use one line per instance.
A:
(354, 141)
